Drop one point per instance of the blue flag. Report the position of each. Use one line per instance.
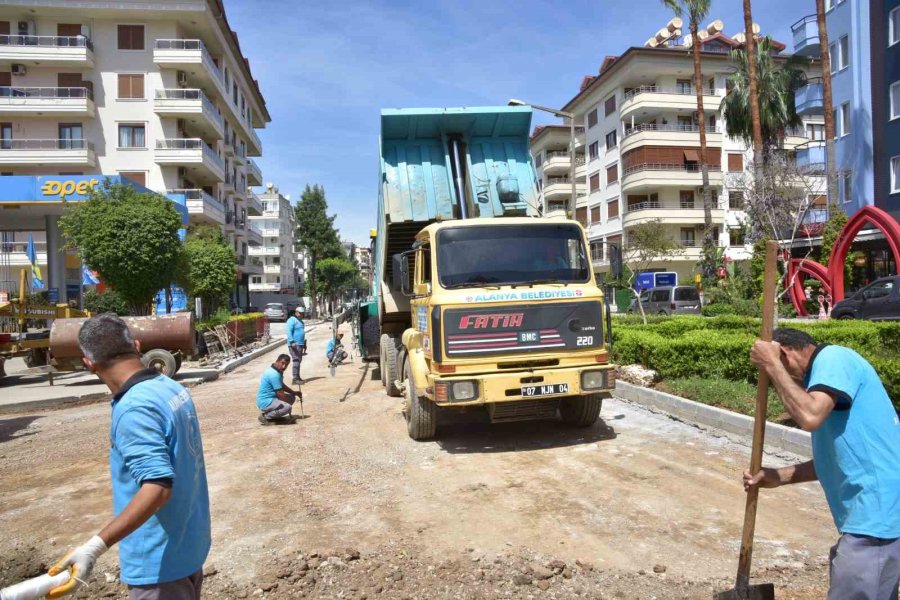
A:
(87, 277)
(37, 279)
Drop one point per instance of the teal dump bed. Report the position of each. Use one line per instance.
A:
(420, 181)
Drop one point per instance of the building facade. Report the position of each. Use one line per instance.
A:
(885, 36)
(276, 254)
(160, 95)
(641, 145)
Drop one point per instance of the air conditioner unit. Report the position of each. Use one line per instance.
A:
(182, 79)
(18, 69)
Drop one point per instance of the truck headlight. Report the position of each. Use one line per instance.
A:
(463, 390)
(593, 380)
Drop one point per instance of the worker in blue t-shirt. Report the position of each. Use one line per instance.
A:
(334, 350)
(836, 394)
(273, 398)
(159, 490)
(296, 339)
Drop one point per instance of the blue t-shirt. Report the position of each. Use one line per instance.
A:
(296, 331)
(329, 347)
(270, 383)
(155, 435)
(855, 450)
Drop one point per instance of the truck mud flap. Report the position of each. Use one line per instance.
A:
(524, 410)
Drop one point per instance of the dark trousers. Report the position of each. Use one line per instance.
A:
(186, 588)
(296, 357)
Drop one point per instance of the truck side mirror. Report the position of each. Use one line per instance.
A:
(401, 272)
(615, 260)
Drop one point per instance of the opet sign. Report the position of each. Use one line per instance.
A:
(64, 189)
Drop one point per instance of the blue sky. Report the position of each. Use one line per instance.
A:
(328, 68)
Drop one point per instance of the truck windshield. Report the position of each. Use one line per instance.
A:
(511, 255)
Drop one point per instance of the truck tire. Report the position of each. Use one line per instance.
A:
(421, 413)
(581, 411)
(161, 360)
(390, 349)
(36, 357)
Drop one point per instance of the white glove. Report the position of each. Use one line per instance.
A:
(80, 562)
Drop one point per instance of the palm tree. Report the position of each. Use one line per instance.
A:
(830, 133)
(697, 10)
(776, 83)
(752, 86)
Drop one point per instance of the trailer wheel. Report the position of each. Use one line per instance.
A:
(421, 413)
(390, 349)
(36, 357)
(161, 360)
(581, 411)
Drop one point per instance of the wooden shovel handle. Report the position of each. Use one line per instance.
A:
(759, 420)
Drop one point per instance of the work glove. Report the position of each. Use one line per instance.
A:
(80, 562)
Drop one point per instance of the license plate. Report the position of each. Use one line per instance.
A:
(545, 390)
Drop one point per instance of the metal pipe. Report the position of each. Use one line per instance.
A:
(460, 189)
(169, 332)
(572, 166)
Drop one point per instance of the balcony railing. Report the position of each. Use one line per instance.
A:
(638, 206)
(206, 57)
(667, 128)
(190, 144)
(197, 194)
(692, 168)
(655, 89)
(46, 145)
(806, 36)
(53, 41)
(46, 92)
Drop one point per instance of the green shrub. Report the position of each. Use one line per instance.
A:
(718, 309)
(222, 316)
(108, 301)
(737, 396)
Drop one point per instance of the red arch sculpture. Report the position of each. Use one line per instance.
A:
(832, 277)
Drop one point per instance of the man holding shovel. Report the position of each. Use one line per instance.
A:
(836, 394)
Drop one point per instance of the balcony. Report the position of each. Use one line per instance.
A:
(15, 254)
(813, 221)
(806, 37)
(265, 287)
(202, 207)
(49, 101)
(254, 174)
(254, 146)
(264, 251)
(668, 135)
(272, 269)
(654, 175)
(811, 155)
(560, 188)
(47, 152)
(195, 108)
(794, 137)
(254, 205)
(47, 50)
(652, 99)
(253, 234)
(680, 214)
(809, 100)
(202, 163)
(193, 58)
(558, 162)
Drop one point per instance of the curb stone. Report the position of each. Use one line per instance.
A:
(778, 437)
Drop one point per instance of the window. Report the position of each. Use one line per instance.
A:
(612, 174)
(139, 177)
(683, 86)
(895, 100)
(735, 163)
(735, 200)
(894, 26)
(71, 136)
(686, 294)
(595, 182)
(131, 37)
(131, 136)
(840, 54)
(611, 139)
(815, 131)
(609, 107)
(847, 186)
(581, 215)
(686, 198)
(6, 136)
(736, 236)
(881, 289)
(594, 150)
(895, 175)
(688, 238)
(843, 120)
(597, 250)
(592, 118)
(612, 209)
(131, 86)
(595, 214)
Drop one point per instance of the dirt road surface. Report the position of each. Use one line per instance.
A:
(343, 504)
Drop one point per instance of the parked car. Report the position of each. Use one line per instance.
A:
(878, 301)
(668, 300)
(275, 311)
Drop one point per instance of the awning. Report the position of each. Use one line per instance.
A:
(691, 156)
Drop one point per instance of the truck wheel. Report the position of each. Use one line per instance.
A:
(390, 348)
(161, 360)
(421, 413)
(581, 411)
(36, 357)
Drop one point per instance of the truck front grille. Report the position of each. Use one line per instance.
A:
(526, 410)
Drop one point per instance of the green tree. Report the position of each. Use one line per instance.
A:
(206, 267)
(696, 11)
(776, 83)
(316, 233)
(334, 276)
(648, 242)
(128, 237)
(108, 301)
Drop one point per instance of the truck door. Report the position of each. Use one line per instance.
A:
(421, 288)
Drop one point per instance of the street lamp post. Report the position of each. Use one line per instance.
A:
(566, 115)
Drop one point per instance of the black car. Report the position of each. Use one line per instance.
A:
(878, 301)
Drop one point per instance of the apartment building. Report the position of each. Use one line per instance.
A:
(277, 224)
(159, 94)
(364, 260)
(641, 139)
(550, 148)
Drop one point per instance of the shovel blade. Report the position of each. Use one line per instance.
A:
(760, 591)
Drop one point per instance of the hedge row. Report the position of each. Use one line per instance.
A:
(719, 347)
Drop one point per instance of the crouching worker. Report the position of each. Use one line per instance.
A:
(334, 351)
(275, 399)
